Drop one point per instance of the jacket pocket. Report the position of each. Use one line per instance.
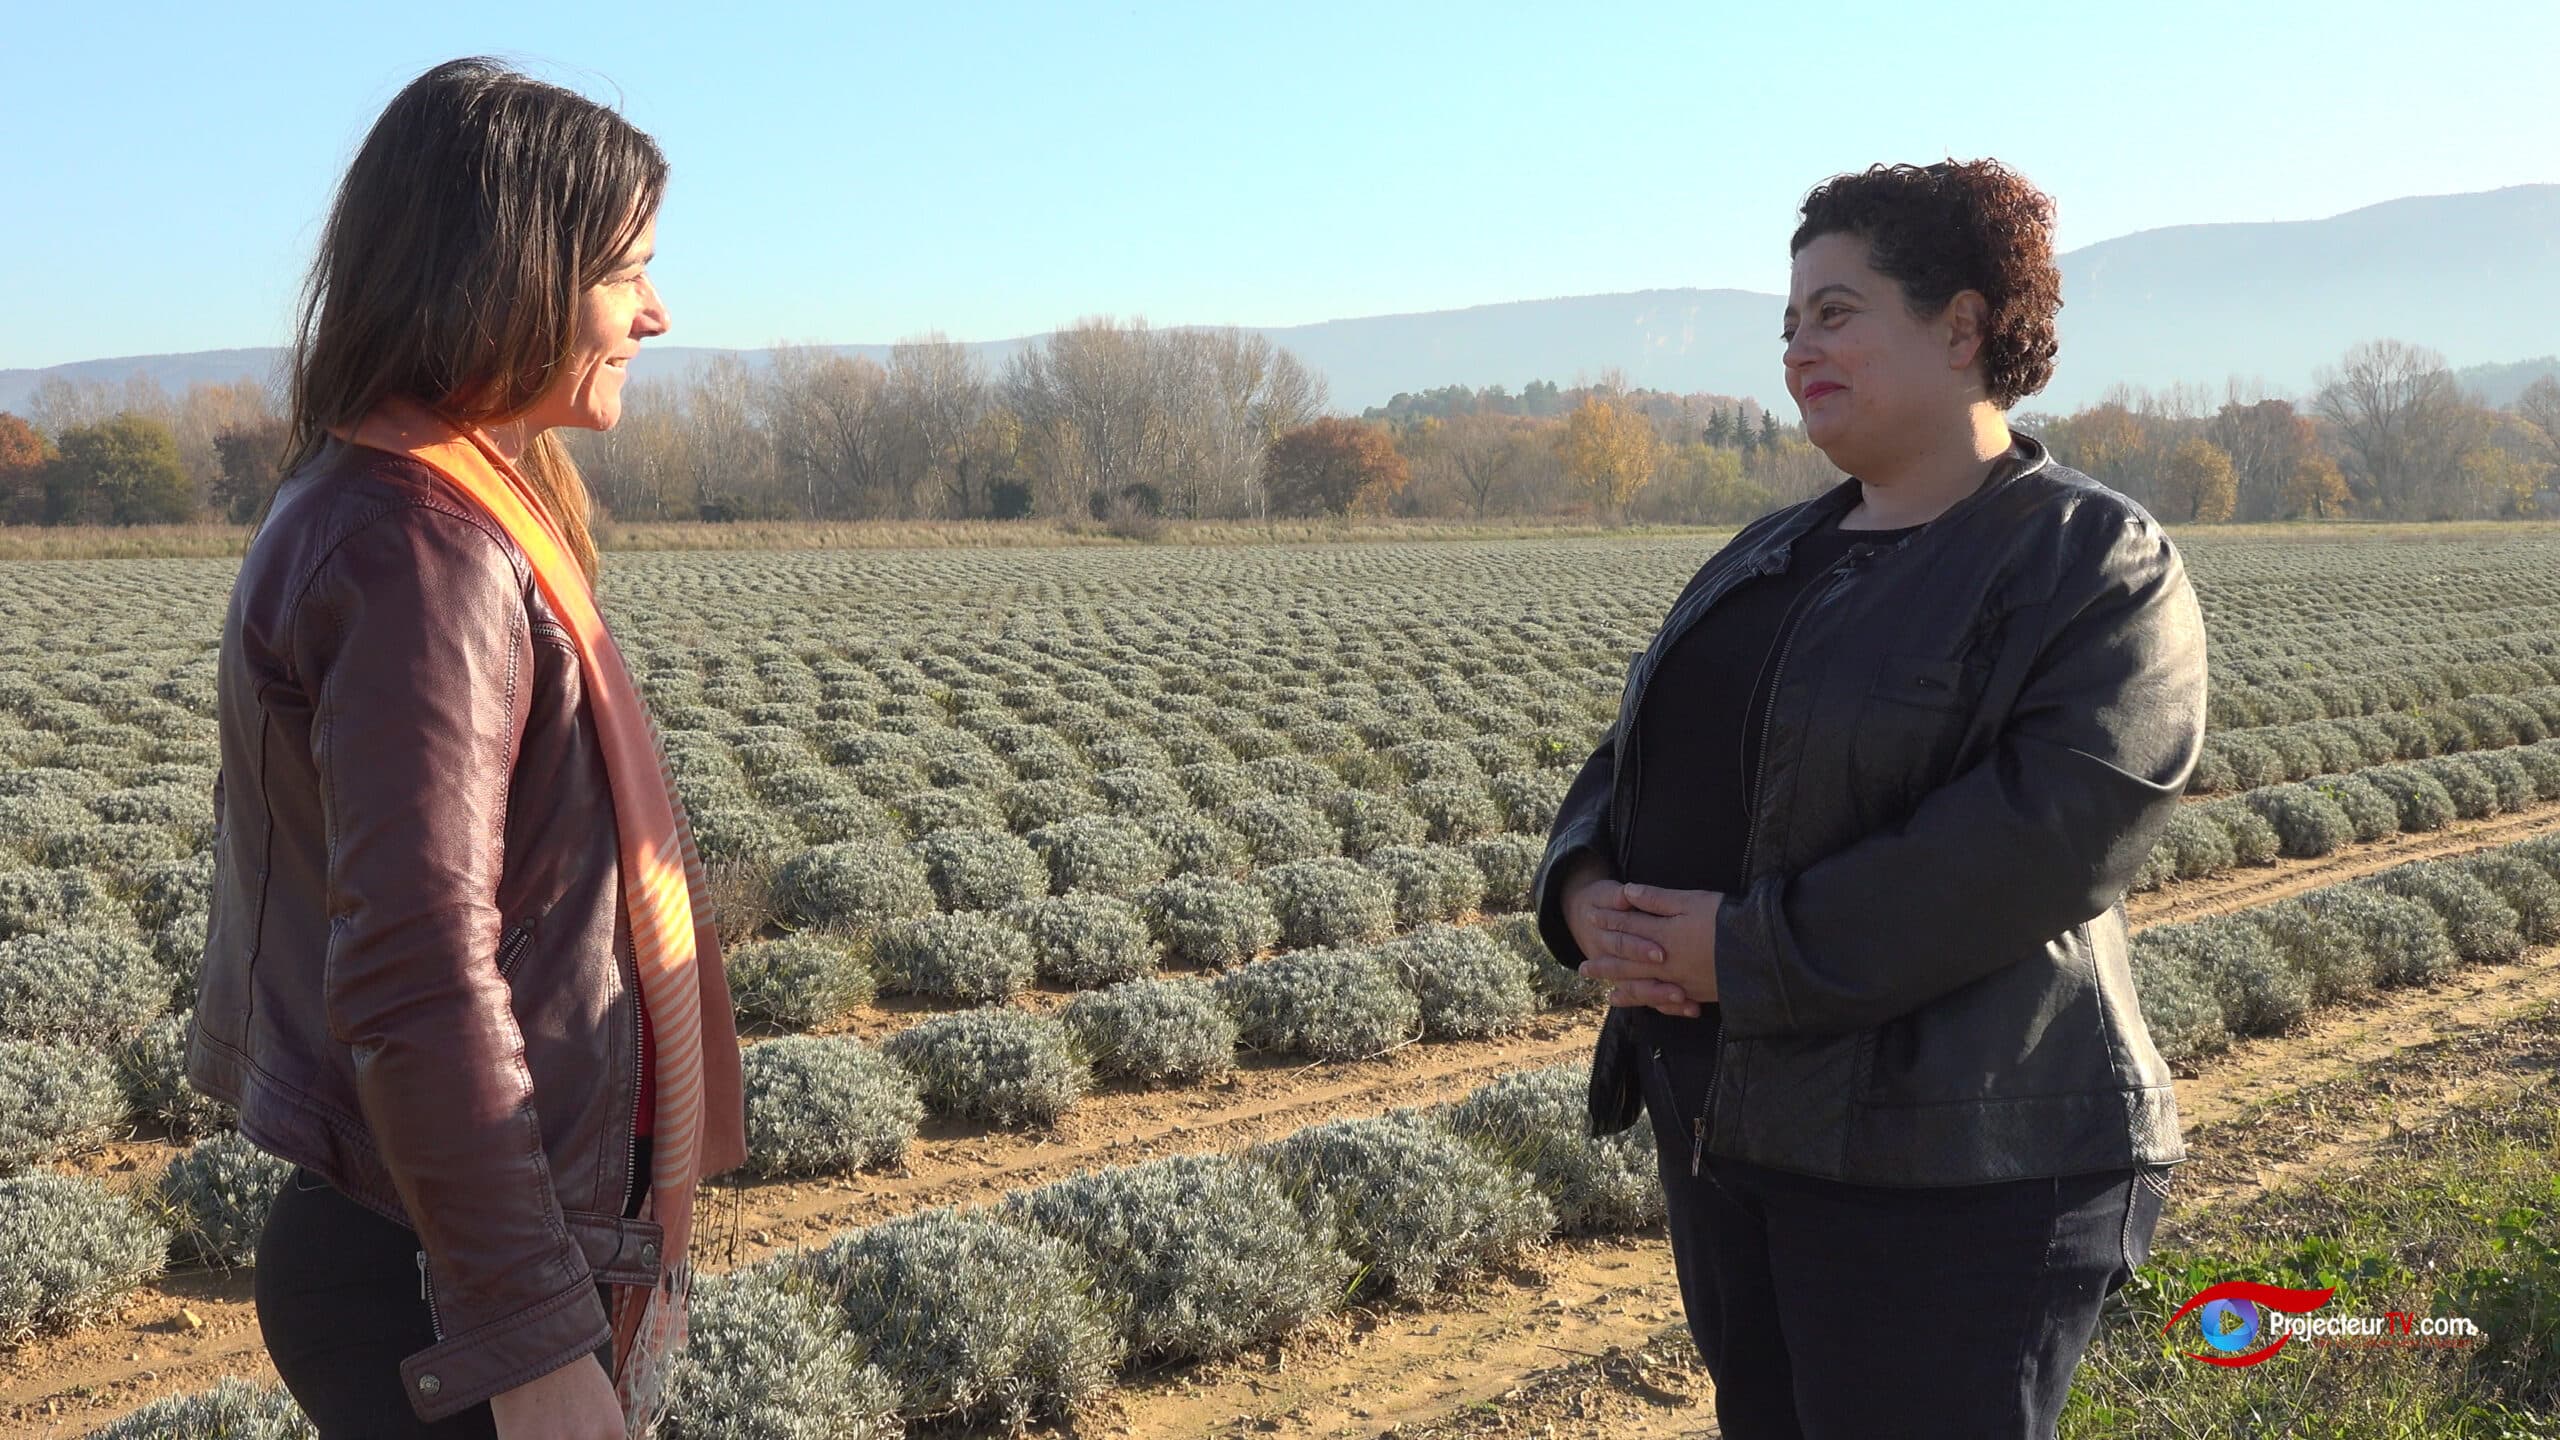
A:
(1929, 682)
(1616, 1094)
(2025, 1031)
(1910, 732)
(2145, 1197)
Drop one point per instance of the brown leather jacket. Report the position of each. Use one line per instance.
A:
(418, 982)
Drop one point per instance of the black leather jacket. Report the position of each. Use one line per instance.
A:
(1974, 739)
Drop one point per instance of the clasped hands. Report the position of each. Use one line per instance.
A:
(1655, 947)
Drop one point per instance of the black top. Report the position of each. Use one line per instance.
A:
(1698, 739)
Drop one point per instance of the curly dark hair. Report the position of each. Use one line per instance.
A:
(1953, 226)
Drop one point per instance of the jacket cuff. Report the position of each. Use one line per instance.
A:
(1547, 891)
(1749, 988)
(453, 1375)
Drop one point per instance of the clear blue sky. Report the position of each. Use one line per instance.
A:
(859, 172)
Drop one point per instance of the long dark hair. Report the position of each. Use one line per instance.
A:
(479, 209)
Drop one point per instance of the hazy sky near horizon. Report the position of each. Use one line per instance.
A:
(862, 172)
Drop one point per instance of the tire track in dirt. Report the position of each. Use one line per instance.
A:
(102, 1371)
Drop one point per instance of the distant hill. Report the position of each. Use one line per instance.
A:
(2474, 276)
(2502, 384)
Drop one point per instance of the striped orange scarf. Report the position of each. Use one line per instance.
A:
(701, 1126)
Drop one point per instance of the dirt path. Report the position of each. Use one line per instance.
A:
(2480, 1055)
(1652, 1391)
(2264, 1111)
(59, 1386)
(193, 1328)
(955, 1165)
(2338, 1040)
(2259, 884)
(1370, 1373)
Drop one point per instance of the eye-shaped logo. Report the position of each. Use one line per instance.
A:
(2233, 1317)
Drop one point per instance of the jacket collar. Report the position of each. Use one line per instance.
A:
(2027, 455)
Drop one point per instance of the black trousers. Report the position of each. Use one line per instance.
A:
(340, 1306)
(1826, 1311)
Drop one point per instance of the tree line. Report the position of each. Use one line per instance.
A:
(1111, 420)
(1102, 418)
(2387, 434)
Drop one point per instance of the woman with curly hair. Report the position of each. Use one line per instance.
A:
(1854, 851)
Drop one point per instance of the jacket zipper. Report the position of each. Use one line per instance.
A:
(1837, 577)
(640, 1075)
(427, 1292)
(1681, 618)
(512, 948)
(1706, 1107)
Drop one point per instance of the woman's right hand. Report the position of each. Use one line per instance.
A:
(1590, 895)
(574, 1402)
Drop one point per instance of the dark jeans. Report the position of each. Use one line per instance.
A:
(1827, 1310)
(340, 1306)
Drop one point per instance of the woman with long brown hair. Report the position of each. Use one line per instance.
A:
(461, 969)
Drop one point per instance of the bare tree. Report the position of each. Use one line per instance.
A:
(61, 404)
(638, 470)
(1484, 452)
(938, 393)
(1229, 396)
(727, 455)
(1085, 396)
(835, 434)
(2401, 417)
(1191, 369)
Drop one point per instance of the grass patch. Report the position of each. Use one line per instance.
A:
(2457, 1218)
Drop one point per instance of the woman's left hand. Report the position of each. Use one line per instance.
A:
(1679, 928)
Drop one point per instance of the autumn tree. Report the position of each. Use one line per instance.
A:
(1610, 450)
(1792, 470)
(1332, 466)
(24, 453)
(1702, 484)
(249, 462)
(2315, 490)
(2539, 407)
(2266, 440)
(2106, 443)
(2499, 478)
(121, 471)
(2198, 483)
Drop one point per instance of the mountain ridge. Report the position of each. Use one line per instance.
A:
(2476, 276)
